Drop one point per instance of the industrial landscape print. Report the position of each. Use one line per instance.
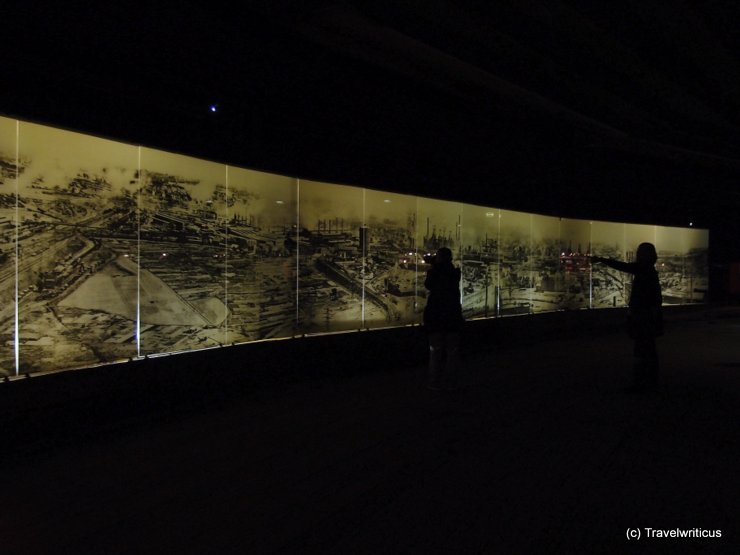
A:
(111, 251)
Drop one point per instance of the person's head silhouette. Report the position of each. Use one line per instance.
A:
(444, 255)
(646, 254)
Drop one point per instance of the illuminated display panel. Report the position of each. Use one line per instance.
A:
(548, 286)
(515, 271)
(125, 251)
(390, 259)
(182, 253)
(77, 277)
(9, 169)
(262, 215)
(330, 282)
(574, 265)
(682, 264)
(480, 260)
(608, 285)
(697, 249)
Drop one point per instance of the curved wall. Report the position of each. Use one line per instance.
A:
(111, 251)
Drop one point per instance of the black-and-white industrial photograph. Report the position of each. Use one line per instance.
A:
(391, 260)
(608, 286)
(516, 274)
(480, 261)
(181, 252)
(261, 280)
(574, 265)
(9, 169)
(330, 261)
(125, 251)
(682, 264)
(548, 286)
(77, 250)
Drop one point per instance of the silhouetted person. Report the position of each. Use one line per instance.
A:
(645, 321)
(443, 320)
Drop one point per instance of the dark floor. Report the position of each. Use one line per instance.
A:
(540, 451)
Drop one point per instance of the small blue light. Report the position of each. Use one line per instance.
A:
(213, 108)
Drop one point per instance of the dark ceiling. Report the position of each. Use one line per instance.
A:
(604, 110)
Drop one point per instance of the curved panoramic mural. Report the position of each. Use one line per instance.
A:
(111, 251)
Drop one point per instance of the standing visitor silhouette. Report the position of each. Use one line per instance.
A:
(443, 320)
(645, 321)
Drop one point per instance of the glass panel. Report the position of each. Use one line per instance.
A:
(330, 263)
(515, 275)
(262, 214)
(440, 225)
(9, 169)
(609, 285)
(575, 246)
(682, 264)
(77, 238)
(182, 252)
(550, 287)
(126, 251)
(697, 265)
(480, 259)
(390, 280)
